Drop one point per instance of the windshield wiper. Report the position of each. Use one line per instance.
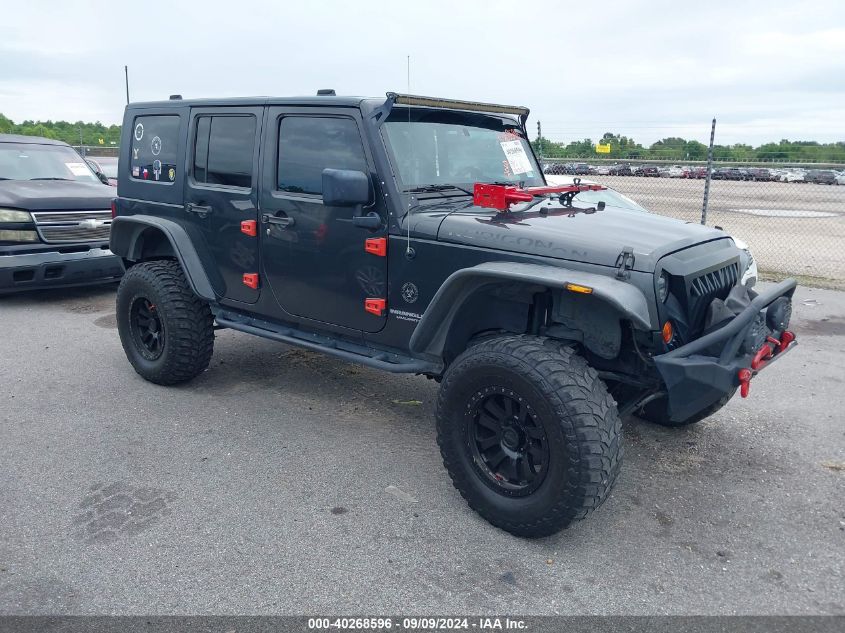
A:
(436, 189)
(50, 178)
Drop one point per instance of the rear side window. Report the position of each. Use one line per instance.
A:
(223, 150)
(154, 145)
(308, 145)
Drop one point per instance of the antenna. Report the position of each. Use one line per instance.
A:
(408, 251)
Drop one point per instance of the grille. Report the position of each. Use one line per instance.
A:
(709, 284)
(73, 226)
(705, 288)
(74, 233)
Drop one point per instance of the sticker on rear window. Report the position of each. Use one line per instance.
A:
(517, 158)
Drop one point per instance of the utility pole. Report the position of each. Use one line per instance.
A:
(81, 146)
(126, 74)
(709, 173)
(540, 138)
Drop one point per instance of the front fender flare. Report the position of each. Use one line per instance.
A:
(125, 241)
(429, 336)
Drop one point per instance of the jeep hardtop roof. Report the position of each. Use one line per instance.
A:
(323, 100)
(336, 101)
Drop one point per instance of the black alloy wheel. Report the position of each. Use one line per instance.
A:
(147, 328)
(508, 443)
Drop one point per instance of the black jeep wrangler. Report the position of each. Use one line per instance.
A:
(418, 235)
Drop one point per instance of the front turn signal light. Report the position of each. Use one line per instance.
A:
(584, 290)
(667, 332)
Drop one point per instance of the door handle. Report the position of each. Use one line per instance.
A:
(201, 210)
(282, 221)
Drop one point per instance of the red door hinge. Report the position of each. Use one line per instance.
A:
(376, 246)
(375, 306)
(251, 280)
(249, 227)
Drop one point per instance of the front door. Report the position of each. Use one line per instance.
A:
(222, 193)
(313, 256)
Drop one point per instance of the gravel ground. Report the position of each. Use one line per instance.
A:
(792, 228)
(284, 482)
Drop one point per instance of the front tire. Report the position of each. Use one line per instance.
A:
(166, 331)
(528, 433)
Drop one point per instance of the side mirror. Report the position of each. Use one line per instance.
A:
(345, 188)
(98, 171)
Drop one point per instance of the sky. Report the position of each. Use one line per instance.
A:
(766, 70)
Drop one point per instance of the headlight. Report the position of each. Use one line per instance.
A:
(12, 215)
(663, 287)
(18, 236)
(749, 255)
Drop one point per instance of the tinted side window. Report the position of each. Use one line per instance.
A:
(308, 145)
(224, 149)
(155, 140)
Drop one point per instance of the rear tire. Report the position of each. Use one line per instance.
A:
(657, 412)
(528, 433)
(166, 331)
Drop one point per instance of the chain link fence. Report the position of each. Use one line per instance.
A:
(791, 216)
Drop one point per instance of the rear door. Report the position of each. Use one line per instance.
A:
(221, 193)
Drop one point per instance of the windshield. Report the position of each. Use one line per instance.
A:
(25, 161)
(449, 148)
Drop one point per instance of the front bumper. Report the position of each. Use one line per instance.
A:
(52, 269)
(705, 370)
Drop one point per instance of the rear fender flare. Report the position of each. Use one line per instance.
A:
(127, 241)
(430, 335)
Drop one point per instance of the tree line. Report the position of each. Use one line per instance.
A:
(71, 133)
(679, 149)
(621, 147)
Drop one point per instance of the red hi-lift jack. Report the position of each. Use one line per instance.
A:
(501, 197)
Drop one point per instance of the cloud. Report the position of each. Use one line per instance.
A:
(645, 69)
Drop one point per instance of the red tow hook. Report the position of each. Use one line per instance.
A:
(771, 348)
(744, 381)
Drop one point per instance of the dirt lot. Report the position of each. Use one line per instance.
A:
(792, 228)
(284, 482)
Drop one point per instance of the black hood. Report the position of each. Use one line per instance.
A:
(55, 195)
(568, 233)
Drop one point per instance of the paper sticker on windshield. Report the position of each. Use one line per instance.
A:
(78, 169)
(517, 158)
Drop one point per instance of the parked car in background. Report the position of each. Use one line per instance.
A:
(793, 175)
(621, 170)
(601, 170)
(581, 169)
(647, 171)
(728, 173)
(821, 177)
(55, 217)
(840, 178)
(696, 172)
(760, 174)
(106, 165)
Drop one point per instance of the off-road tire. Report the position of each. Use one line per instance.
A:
(578, 415)
(657, 412)
(186, 322)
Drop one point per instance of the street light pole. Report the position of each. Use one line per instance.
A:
(126, 74)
